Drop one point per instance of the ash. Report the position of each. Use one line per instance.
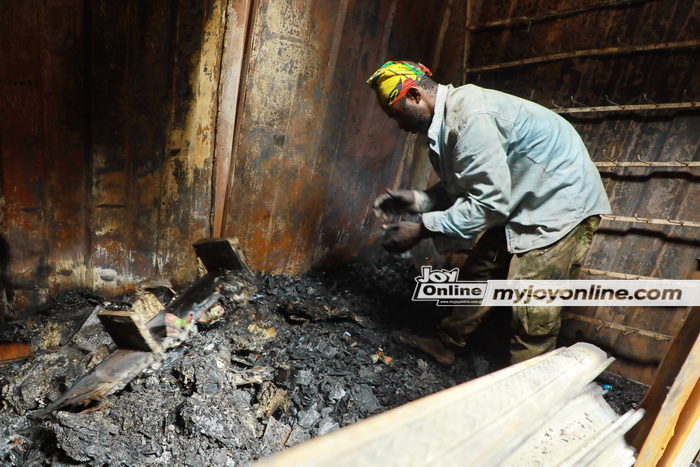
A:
(293, 363)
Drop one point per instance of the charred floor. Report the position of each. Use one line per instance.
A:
(304, 356)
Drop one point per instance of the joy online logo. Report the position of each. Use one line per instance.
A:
(444, 287)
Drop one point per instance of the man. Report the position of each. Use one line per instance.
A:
(510, 170)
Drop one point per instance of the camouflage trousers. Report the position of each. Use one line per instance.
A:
(534, 329)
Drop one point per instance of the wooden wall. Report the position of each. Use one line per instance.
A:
(581, 54)
(106, 163)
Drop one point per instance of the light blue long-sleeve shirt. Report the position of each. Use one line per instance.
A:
(503, 160)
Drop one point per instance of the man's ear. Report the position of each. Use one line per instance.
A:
(414, 95)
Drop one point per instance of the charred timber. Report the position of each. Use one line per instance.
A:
(622, 50)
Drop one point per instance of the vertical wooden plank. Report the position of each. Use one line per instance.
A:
(675, 381)
(232, 67)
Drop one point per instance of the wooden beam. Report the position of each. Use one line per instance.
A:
(644, 220)
(525, 20)
(616, 275)
(599, 323)
(626, 108)
(672, 390)
(467, 38)
(648, 164)
(441, 34)
(626, 49)
(232, 69)
(685, 443)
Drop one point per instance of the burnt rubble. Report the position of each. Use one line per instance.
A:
(293, 363)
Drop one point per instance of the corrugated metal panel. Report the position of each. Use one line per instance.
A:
(312, 147)
(109, 127)
(41, 142)
(658, 251)
(106, 162)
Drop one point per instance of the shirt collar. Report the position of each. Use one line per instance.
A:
(435, 130)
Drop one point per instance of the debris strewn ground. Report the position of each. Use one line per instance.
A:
(306, 356)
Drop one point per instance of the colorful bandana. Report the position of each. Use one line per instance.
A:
(394, 79)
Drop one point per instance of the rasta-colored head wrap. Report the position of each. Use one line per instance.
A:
(394, 79)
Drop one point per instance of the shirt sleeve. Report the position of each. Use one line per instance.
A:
(431, 199)
(483, 181)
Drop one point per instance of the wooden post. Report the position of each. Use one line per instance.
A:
(232, 69)
(626, 108)
(672, 403)
(441, 35)
(587, 53)
(467, 42)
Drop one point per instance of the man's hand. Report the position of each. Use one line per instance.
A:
(402, 236)
(395, 202)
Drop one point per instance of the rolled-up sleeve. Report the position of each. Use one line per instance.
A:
(481, 179)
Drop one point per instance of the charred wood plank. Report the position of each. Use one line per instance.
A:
(128, 330)
(111, 375)
(221, 254)
(148, 342)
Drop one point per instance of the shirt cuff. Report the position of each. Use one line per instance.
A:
(433, 220)
(422, 201)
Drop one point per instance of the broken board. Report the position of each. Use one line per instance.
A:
(124, 364)
(128, 331)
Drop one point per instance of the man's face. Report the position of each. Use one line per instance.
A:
(410, 116)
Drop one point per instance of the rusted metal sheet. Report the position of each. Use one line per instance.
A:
(106, 140)
(41, 144)
(313, 148)
(658, 251)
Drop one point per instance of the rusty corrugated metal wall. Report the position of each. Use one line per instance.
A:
(106, 124)
(312, 148)
(122, 142)
(598, 54)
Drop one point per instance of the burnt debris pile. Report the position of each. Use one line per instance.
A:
(303, 357)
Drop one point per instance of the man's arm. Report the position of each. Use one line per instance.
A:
(431, 199)
(409, 201)
(483, 181)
